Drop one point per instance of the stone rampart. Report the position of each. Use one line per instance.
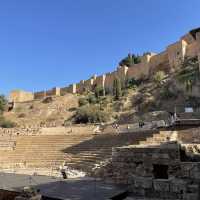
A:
(100, 81)
(109, 79)
(20, 96)
(40, 95)
(168, 60)
(53, 92)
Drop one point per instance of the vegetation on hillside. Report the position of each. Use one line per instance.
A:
(189, 74)
(130, 60)
(91, 114)
(159, 77)
(117, 88)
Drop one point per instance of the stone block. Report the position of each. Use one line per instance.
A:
(177, 186)
(145, 183)
(191, 196)
(161, 185)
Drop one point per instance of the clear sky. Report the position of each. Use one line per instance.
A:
(47, 43)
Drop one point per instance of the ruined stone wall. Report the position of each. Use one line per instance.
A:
(154, 172)
(20, 96)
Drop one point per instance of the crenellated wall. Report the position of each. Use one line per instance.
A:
(168, 61)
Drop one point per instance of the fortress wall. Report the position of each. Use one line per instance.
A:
(72, 88)
(100, 81)
(146, 58)
(176, 53)
(122, 72)
(188, 38)
(53, 92)
(40, 95)
(189, 45)
(110, 77)
(88, 84)
(137, 71)
(20, 96)
(159, 62)
(80, 87)
(64, 91)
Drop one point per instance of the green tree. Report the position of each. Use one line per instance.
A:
(130, 60)
(99, 91)
(82, 101)
(91, 114)
(3, 102)
(117, 89)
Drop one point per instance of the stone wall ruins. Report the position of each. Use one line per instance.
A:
(168, 60)
(155, 171)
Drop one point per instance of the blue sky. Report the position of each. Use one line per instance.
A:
(47, 43)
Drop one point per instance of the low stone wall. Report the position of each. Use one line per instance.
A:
(19, 131)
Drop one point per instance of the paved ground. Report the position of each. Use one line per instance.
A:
(74, 189)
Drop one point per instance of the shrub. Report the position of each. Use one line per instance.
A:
(158, 77)
(99, 91)
(104, 101)
(6, 123)
(189, 75)
(166, 93)
(130, 60)
(92, 99)
(91, 114)
(47, 100)
(132, 83)
(3, 103)
(82, 101)
(22, 115)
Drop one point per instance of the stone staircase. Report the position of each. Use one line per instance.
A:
(7, 144)
(87, 155)
(79, 151)
(32, 152)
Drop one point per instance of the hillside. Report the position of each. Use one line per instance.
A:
(41, 113)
